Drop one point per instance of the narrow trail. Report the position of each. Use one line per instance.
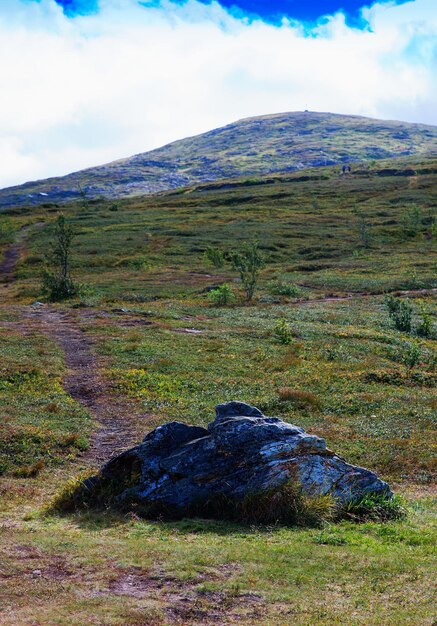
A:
(11, 257)
(10, 260)
(363, 295)
(116, 429)
(12, 254)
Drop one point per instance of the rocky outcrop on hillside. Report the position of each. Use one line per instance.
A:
(285, 142)
(178, 467)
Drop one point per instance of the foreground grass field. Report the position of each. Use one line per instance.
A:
(334, 244)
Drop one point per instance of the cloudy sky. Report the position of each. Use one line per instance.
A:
(84, 82)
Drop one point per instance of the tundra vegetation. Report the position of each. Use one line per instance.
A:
(319, 344)
(57, 282)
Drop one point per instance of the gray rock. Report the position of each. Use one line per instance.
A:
(241, 452)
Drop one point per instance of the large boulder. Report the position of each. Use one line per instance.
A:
(241, 453)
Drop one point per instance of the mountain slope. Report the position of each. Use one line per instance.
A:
(274, 143)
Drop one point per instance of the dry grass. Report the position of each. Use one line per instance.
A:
(300, 398)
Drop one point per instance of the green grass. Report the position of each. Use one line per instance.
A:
(346, 375)
(101, 569)
(309, 231)
(40, 423)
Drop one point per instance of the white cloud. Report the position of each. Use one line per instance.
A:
(83, 91)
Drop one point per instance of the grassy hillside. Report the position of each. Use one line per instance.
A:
(272, 143)
(159, 349)
(310, 226)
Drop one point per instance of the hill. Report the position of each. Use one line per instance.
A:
(284, 142)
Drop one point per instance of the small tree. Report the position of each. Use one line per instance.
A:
(248, 261)
(364, 231)
(57, 282)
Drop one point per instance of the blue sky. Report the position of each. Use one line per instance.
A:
(84, 84)
(306, 10)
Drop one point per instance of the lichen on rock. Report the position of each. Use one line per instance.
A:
(178, 469)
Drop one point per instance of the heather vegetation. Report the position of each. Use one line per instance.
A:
(252, 147)
(338, 336)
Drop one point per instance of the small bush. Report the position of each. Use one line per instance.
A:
(57, 287)
(395, 377)
(410, 354)
(400, 313)
(301, 399)
(221, 296)
(280, 288)
(425, 326)
(215, 256)
(282, 332)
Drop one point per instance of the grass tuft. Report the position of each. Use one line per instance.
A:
(301, 399)
(375, 508)
(73, 496)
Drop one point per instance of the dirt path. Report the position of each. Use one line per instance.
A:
(118, 422)
(363, 295)
(10, 260)
(12, 254)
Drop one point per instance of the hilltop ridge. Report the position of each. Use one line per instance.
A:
(282, 142)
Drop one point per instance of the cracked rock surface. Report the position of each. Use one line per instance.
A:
(241, 452)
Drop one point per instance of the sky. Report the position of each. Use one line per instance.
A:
(84, 82)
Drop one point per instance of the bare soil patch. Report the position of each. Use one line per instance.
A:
(187, 602)
(116, 426)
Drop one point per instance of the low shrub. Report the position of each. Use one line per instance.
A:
(29, 471)
(280, 288)
(400, 313)
(221, 296)
(282, 332)
(410, 354)
(215, 256)
(396, 377)
(57, 287)
(425, 326)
